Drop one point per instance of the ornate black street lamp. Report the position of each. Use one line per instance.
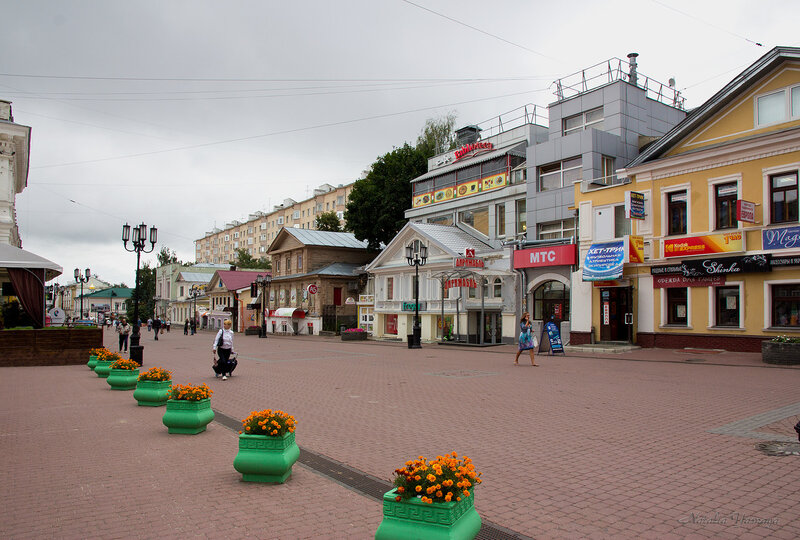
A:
(264, 282)
(416, 256)
(138, 242)
(194, 292)
(81, 279)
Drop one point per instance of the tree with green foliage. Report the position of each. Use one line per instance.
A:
(375, 211)
(165, 257)
(146, 293)
(328, 221)
(245, 260)
(438, 135)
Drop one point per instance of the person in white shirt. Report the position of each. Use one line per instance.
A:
(223, 344)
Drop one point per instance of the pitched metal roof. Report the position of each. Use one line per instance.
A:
(116, 292)
(338, 269)
(311, 237)
(517, 149)
(200, 277)
(234, 280)
(451, 237)
(712, 106)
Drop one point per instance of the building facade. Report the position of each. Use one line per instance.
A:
(714, 256)
(15, 140)
(261, 228)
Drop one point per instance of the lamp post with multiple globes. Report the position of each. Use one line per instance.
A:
(79, 278)
(264, 282)
(416, 256)
(138, 242)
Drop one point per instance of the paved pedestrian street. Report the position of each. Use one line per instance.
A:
(646, 444)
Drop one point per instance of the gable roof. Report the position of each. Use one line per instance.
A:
(199, 277)
(310, 237)
(337, 269)
(238, 279)
(116, 292)
(714, 104)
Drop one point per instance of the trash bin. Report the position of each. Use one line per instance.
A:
(410, 340)
(310, 329)
(342, 328)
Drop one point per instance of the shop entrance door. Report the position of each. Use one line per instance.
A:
(492, 327)
(615, 304)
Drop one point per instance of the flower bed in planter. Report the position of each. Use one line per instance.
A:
(152, 388)
(188, 409)
(267, 448)
(123, 374)
(781, 350)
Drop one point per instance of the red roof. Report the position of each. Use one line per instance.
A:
(239, 279)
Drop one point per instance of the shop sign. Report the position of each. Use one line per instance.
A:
(545, 256)
(612, 283)
(702, 245)
(473, 187)
(726, 265)
(746, 211)
(666, 269)
(675, 281)
(460, 282)
(472, 149)
(350, 301)
(783, 238)
(604, 261)
(790, 260)
(634, 205)
(468, 261)
(554, 337)
(411, 306)
(635, 249)
(312, 288)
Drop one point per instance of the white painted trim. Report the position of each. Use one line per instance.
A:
(712, 306)
(766, 173)
(663, 297)
(664, 193)
(712, 197)
(768, 299)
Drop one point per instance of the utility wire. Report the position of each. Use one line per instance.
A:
(451, 19)
(662, 4)
(287, 131)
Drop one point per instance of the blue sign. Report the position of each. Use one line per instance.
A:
(554, 337)
(604, 261)
(783, 238)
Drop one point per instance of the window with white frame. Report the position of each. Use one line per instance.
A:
(236, 234)
(726, 305)
(784, 304)
(780, 106)
(564, 228)
(340, 200)
(588, 119)
(390, 288)
(227, 237)
(476, 218)
(263, 226)
(249, 241)
(676, 216)
(560, 174)
(521, 216)
(497, 288)
(725, 196)
(500, 220)
(677, 304)
(783, 198)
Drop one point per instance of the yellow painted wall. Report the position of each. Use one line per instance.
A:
(737, 120)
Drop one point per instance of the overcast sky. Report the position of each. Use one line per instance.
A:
(189, 114)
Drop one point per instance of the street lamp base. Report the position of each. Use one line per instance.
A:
(136, 353)
(263, 333)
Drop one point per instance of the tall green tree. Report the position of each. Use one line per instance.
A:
(328, 221)
(145, 293)
(438, 135)
(375, 211)
(245, 260)
(165, 256)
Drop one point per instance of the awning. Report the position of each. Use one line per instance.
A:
(604, 261)
(294, 313)
(14, 257)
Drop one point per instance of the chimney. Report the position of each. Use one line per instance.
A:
(467, 135)
(632, 76)
(5, 111)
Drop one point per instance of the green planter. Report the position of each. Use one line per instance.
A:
(187, 417)
(780, 353)
(102, 368)
(152, 393)
(262, 458)
(413, 518)
(122, 379)
(92, 362)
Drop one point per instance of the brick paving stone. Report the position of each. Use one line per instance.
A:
(603, 445)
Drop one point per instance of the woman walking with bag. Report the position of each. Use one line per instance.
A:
(223, 344)
(527, 341)
(124, 330)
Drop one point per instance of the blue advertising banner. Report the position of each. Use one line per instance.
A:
(783, 238)
(604, 261)
(553, 337)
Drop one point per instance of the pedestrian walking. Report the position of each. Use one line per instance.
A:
(124, 330)
(223, 344)
(186, 328)
(193, 326)
(167, 326)
(149, 324)
(156, 323)
(527, 341)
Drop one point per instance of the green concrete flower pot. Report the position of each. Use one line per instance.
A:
(262, 458)
(354, 336)
(187, 417)
(102, 368)
(152, 393)
(122, 379)
(780, 353)
(92, 362)
(412, 518)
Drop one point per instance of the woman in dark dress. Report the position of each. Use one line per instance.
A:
(527, 341)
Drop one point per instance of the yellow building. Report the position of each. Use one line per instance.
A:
(718, 264)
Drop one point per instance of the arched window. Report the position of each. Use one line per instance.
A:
(498, 288)
(551, 301)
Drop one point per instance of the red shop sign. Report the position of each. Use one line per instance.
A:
(544, 256)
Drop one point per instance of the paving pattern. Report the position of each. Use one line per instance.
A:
(636, 445)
